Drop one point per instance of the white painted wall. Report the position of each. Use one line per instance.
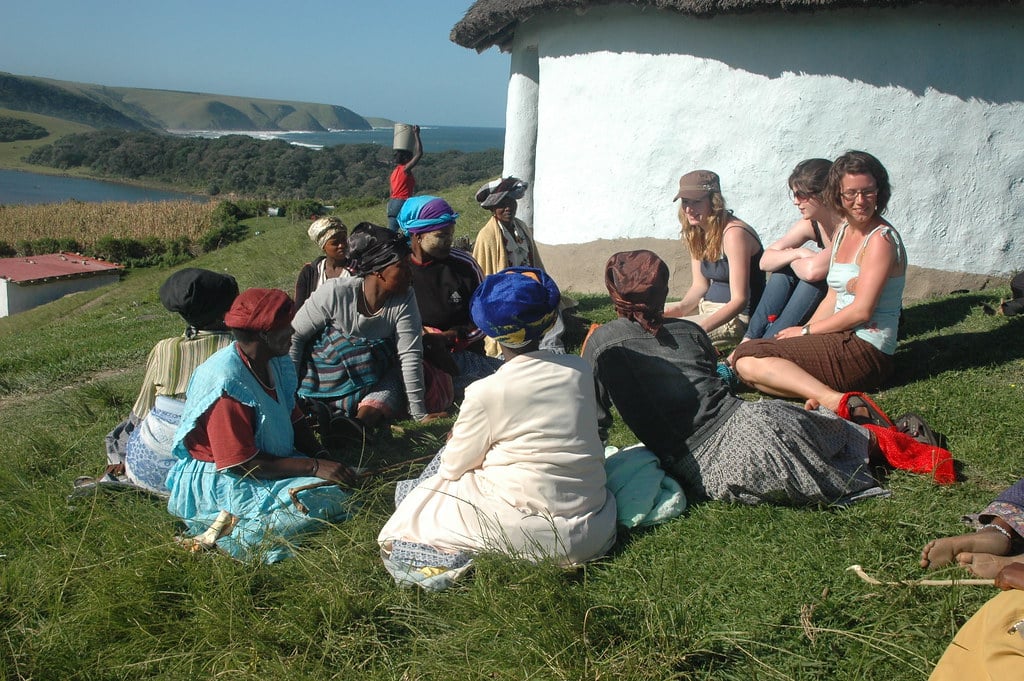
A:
(627, 100)
(15, 298)
(521, 125)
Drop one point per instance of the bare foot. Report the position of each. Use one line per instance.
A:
(811, 404)
(940, 552)
(985, 565)
(830, 400)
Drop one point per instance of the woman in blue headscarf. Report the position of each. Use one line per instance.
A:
(523, 471)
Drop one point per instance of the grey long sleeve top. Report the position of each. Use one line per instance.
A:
(335, 303)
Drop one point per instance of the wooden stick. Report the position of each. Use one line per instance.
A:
(859, 571)
(294, 494)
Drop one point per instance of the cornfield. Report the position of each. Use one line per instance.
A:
(87, 223)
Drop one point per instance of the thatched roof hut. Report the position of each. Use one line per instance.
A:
(493, 22)
(610, 101)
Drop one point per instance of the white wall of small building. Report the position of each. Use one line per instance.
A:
(15, 298)
(617, 103)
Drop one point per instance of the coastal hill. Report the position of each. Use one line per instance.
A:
(101, 106)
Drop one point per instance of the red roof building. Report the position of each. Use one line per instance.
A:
(31, 281)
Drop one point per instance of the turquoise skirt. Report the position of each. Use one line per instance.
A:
(267, 520)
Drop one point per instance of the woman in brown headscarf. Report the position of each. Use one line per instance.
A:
(660, 373)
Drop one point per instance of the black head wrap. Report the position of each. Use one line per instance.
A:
(371, 248)
(201, 297)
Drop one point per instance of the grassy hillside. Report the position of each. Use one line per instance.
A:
(12, 153)
(96, 588)
(100, 106)
(54, 98)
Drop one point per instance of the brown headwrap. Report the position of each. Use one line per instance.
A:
(638, 284)
(260, 309)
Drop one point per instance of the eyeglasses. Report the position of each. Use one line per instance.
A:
(803, 196)
(866, 194)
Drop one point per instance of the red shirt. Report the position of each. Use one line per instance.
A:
(226, 433)
(403, 184)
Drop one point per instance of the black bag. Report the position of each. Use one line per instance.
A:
(913, 425)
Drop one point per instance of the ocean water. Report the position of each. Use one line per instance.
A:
(435, 138)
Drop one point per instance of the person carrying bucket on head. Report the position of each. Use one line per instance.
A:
(408, 152)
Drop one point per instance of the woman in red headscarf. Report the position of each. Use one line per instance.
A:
(241, 442)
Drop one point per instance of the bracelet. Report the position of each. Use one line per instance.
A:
(993, 526)
(316, 467)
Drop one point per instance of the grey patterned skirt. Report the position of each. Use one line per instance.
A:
(777, 452)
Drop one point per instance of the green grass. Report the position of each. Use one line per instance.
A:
(95, 588)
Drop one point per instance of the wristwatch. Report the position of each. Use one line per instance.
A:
(806, 331)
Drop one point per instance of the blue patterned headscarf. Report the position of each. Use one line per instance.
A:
(516, 306)
(425, 214)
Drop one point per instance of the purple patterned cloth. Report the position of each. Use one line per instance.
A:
(1008, 506)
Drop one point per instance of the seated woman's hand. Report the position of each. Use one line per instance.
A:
(437, 341)
(791, 332)
(335, 471)
(851, 285)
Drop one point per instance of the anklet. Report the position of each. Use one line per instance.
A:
(993, 526)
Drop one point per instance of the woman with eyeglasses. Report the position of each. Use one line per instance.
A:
(796, 285)
(724, 256)
(848, 343)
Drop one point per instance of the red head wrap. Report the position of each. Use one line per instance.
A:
(260, 309)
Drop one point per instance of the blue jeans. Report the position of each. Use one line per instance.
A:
(788, 298)
(394, 207)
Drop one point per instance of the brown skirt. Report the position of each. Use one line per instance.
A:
(841, 360)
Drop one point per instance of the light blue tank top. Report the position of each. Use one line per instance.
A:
(225, 374)
(882, 329)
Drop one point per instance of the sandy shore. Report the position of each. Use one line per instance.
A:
(580, 268)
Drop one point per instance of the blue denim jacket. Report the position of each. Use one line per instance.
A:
(665, 387)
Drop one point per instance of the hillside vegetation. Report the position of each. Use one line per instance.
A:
(36, 95)
(100, 106)
(12, 153)
(95, 587)
(14, 129)
(252, 167)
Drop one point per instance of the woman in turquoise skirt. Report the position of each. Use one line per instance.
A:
(242, 482)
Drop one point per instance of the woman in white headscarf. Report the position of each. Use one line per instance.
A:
(331, 235)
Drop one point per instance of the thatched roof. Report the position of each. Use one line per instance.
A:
(493, 22)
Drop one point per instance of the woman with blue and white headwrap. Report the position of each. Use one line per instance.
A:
(523, 471)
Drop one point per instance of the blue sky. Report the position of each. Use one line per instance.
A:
(389, 58)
